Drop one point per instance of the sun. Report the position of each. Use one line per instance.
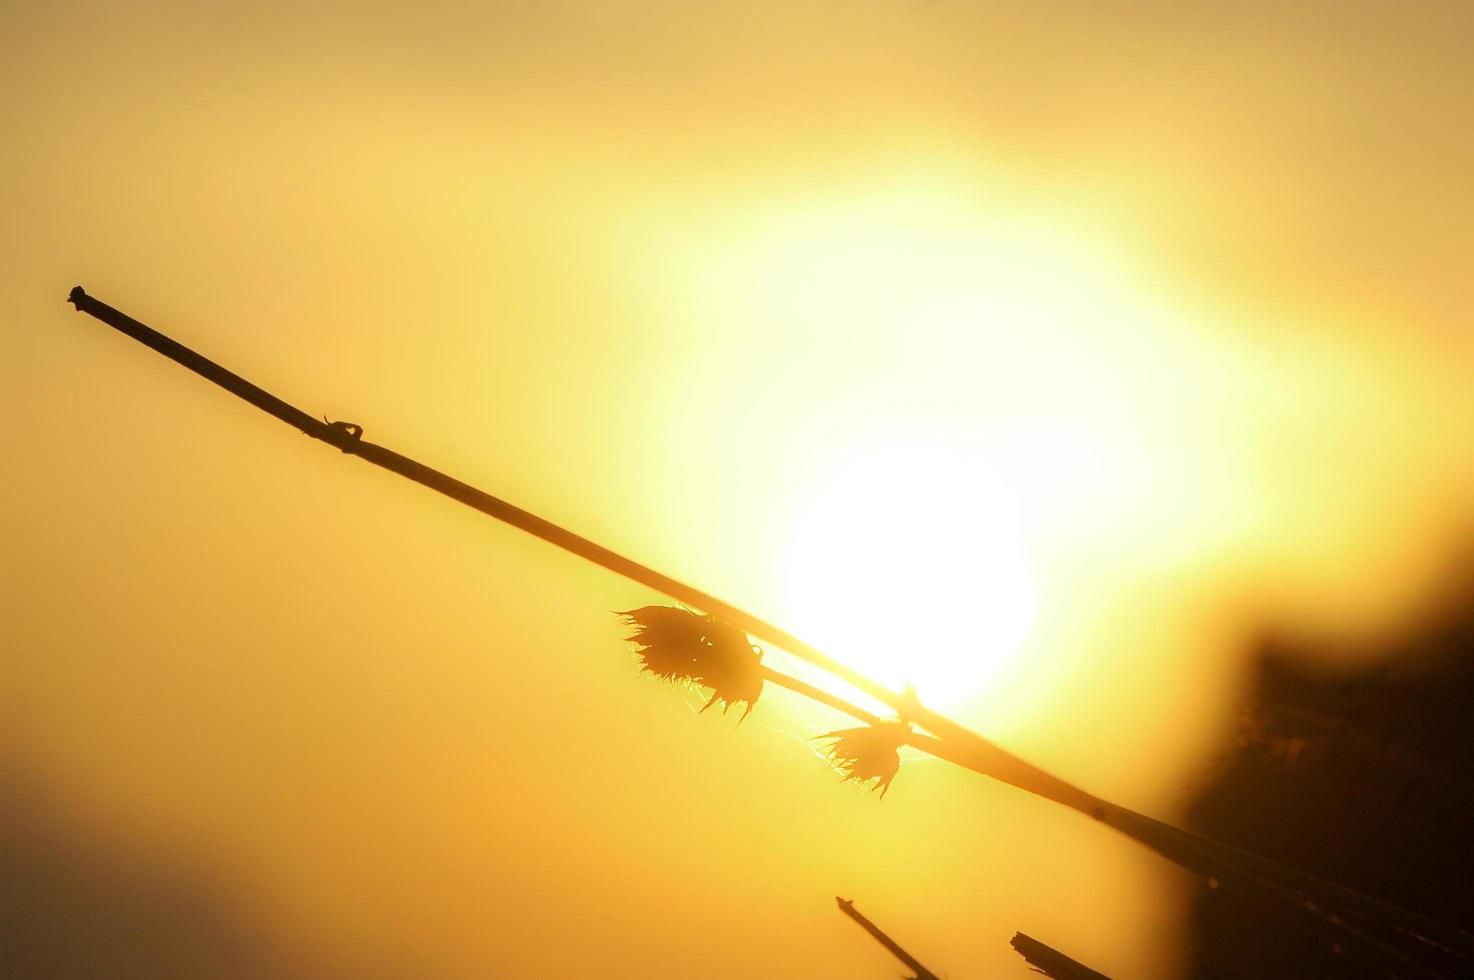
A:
(908, 562)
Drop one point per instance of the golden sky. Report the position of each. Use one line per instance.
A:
(1151, 319)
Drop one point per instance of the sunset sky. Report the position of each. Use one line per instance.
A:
(1043, 355)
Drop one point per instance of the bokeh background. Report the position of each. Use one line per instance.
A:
(1186, 287)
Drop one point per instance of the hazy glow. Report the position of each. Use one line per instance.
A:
(910, 554)
(881, 320)
(909, 563)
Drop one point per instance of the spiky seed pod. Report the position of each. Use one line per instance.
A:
(679, 645)
(666, 640)
(868, 755)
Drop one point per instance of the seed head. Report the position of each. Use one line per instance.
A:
(868, 755)
(682, 646)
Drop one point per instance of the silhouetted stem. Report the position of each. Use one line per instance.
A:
(922, 973)
(814, 693)
(347, 439)
(1050, 961)
(953, 742)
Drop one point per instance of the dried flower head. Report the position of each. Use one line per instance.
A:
(868, 755)
(679, 645)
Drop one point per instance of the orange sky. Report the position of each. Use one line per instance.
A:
(1185, 289)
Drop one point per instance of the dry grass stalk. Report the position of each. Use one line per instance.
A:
(732, 679)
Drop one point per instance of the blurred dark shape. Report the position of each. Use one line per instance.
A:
(77, 902)
(1365, 778)
(1050, 961)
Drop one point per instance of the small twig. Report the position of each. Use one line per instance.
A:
(1050, 961)
(922, 973)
